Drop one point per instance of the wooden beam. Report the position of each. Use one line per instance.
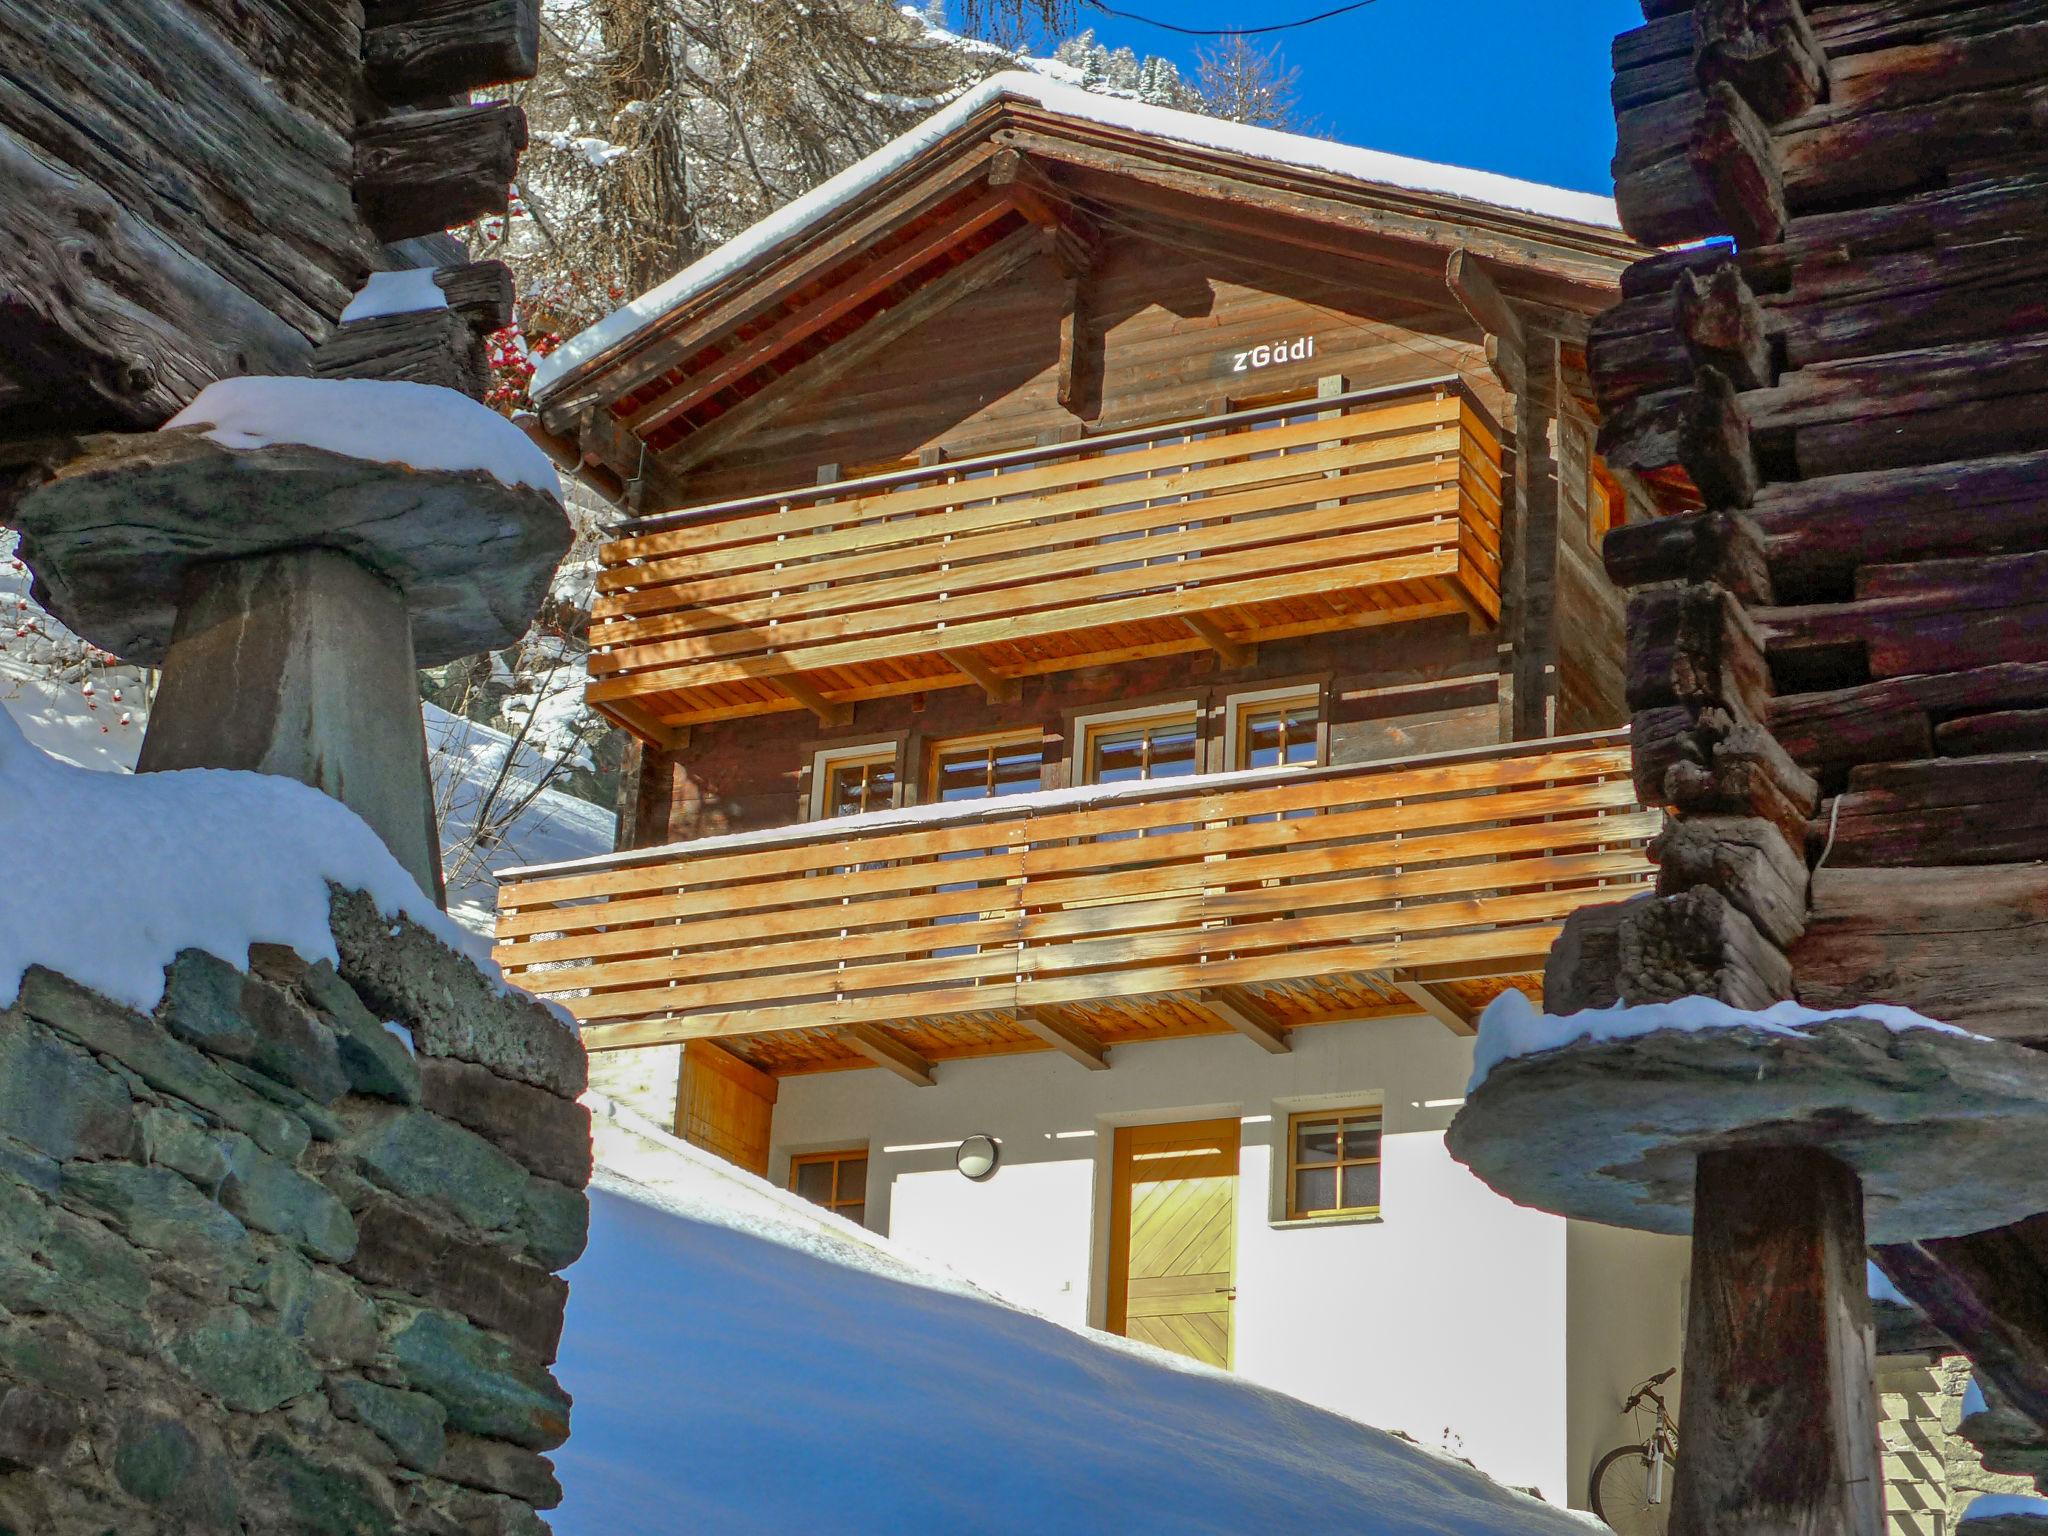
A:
(1439, 1007)
(429, 346)
(1989, 1292)
(628, 715)
(419, 50)
(1245, 1016)
(417, 173)
(1480, 297)
(1234, 653)
(1000, 689)
(1068, 1039)
(814, 373)
(827, 712)
(480, 291)
(885, 1050)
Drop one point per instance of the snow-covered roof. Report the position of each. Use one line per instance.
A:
(1188, 128)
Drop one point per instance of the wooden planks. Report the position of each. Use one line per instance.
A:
(1188, 888)
(1367, 510)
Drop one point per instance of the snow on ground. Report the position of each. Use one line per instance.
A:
(1513, 1026)
(68, 697)
(111, 875)
(745, 1363)
(1189, 128)
(386, 421)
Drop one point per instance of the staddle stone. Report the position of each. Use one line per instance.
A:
(113, 535)
(1947, 1131)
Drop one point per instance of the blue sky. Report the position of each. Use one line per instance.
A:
(1516, 86)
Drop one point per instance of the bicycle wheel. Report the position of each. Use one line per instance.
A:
(1620, 1493)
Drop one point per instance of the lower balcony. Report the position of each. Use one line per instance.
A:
(1082, 919)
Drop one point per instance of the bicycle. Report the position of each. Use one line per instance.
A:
(1631, 1484)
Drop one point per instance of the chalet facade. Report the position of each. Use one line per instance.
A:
(1120, 667)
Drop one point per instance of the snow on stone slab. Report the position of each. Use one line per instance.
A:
(111, 875)
(387, 421)
(395, 293)
(1512, 1026)
(744, 1363)
(2015, 1507)
(1188, 128)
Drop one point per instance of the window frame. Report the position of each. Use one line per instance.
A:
(1081, 767)
(825, 759)
(1290, 1165)
(836, 1157)
(936, 747)
(1239, 707)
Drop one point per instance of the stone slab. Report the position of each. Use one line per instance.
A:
(113, 535)
(1948, 1132)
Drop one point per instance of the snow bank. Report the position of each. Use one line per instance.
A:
(387, 421)
(1513, 1026)
(2006, 1506)
(396, 293)
(1188, 128)
(111, 876)
(744, 1363)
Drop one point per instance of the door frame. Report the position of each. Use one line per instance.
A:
(1117, 1277)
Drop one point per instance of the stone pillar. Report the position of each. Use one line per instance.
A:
(301, 664)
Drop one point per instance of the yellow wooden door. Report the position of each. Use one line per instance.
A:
(1173, 1236)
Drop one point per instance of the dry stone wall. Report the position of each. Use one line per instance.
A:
(264, 1268)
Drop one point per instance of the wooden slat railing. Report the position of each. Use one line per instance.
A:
(1359, 509)
(1465, 861)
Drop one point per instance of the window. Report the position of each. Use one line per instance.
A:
(1333, 1163)
(1118, 749)
(1269, 730)
(849, 780)
(836, 1180)
(986, 768)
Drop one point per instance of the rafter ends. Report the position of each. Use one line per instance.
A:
(885, 1050)
(1000, 689)
(1234, 653)
(1249, 1020)
(637, 722)
(827, 712)
(1439, 1007)
(1068, 1039)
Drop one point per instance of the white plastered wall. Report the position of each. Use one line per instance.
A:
(1447, 1318)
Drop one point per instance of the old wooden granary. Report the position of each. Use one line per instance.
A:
(1113, 634)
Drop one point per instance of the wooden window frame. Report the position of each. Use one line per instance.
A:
(936, 747)
(1290, 1185)
(1239, 707)
(1082, 768)
(837, 1157)
(825, 759)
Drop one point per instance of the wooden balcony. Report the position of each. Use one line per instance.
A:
(1367, 508)
(1081, 919)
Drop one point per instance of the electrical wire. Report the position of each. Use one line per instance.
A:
(1277, 26)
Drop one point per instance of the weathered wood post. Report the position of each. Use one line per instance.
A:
(277, 555)
(1774, 1139)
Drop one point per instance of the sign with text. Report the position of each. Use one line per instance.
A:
(1267, 354)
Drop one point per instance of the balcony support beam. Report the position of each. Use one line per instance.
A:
(885, 1050)
(1067, 1039)
(1233, 653)
(1245, 1016)
(1000, 689)
(827, 712)
(1433, 1002)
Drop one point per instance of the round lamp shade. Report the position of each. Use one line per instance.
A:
(977, 1157)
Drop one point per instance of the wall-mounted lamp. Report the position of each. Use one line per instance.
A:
(977, 1157)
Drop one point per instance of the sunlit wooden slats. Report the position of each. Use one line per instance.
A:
(1367, 508)
(1467, 860)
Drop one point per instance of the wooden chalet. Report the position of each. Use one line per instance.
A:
(1112, 630)
(1337, 429)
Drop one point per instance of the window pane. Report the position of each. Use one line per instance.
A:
(1119, 756)
(1362, 1186)
(814, 1181)
(1315, 1141)
(1173, 750)
(853, 1179)
(1315, 1189)
(1361, 1139)
(861, 785)
(1019, 769)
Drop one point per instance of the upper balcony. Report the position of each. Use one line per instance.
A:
(1262, 901)
(1364, 508)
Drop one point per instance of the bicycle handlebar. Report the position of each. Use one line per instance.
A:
(1648, 1389)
